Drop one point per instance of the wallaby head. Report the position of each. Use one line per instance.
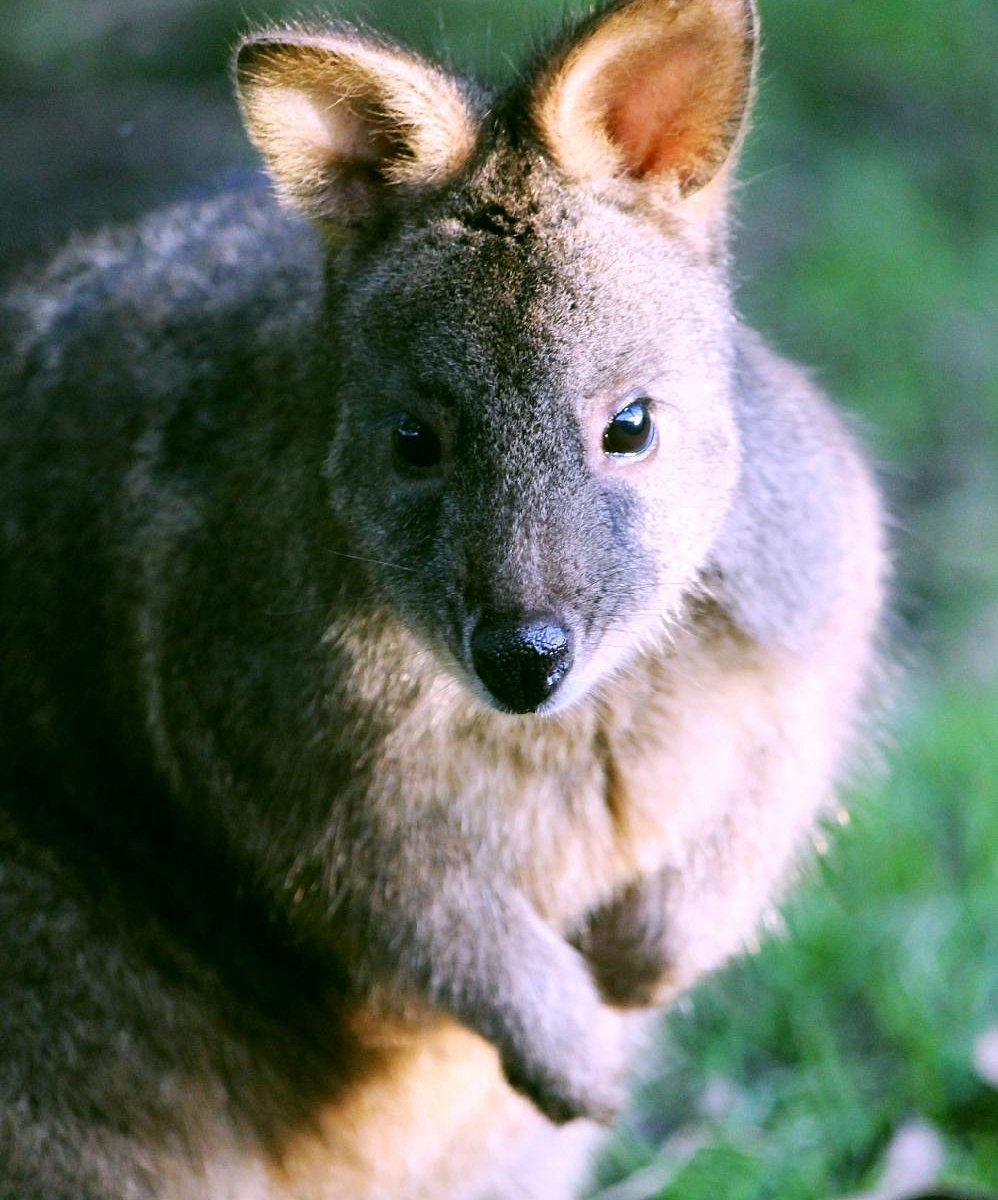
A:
(529, 325)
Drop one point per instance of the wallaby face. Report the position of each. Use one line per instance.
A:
(541, 449)
(308, 525)
(515, 464)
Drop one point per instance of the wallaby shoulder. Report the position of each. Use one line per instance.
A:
(126, 311)
(802, 544)
(136, 365)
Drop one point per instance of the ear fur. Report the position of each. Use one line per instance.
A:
(340, 118)
(654, 91)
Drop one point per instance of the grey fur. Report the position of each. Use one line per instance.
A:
(253, 789)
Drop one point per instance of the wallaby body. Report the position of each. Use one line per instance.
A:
(428, 632)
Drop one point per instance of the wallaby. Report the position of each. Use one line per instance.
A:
(432, 625)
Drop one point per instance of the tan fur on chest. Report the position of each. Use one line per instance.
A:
(436, 1119)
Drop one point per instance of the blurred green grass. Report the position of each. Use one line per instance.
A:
(867, 248)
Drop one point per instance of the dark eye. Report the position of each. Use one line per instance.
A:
(631, 431)
(416, 446)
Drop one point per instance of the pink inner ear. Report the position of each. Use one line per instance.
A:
(658, 115)
(354, 131)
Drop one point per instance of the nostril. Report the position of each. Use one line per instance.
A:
(521, 661)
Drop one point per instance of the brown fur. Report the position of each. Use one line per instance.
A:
(320, 880)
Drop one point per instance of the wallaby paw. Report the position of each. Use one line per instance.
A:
(626, 944)
(633, 980)
(590, 1083)
(562, 1100)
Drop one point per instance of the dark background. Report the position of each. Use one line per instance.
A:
(868, 249)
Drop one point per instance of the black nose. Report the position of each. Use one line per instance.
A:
(521, 661)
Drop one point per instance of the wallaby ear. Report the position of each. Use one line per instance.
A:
(340, 119)
(651, 90)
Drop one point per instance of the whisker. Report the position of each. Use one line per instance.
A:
(293, 612)
(380, 562)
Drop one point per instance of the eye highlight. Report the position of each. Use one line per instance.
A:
(415, 445)
(631, 432)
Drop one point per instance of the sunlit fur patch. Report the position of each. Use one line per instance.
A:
(335, 114)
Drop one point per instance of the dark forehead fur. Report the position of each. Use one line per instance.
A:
(513, 229)
(487, 234)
